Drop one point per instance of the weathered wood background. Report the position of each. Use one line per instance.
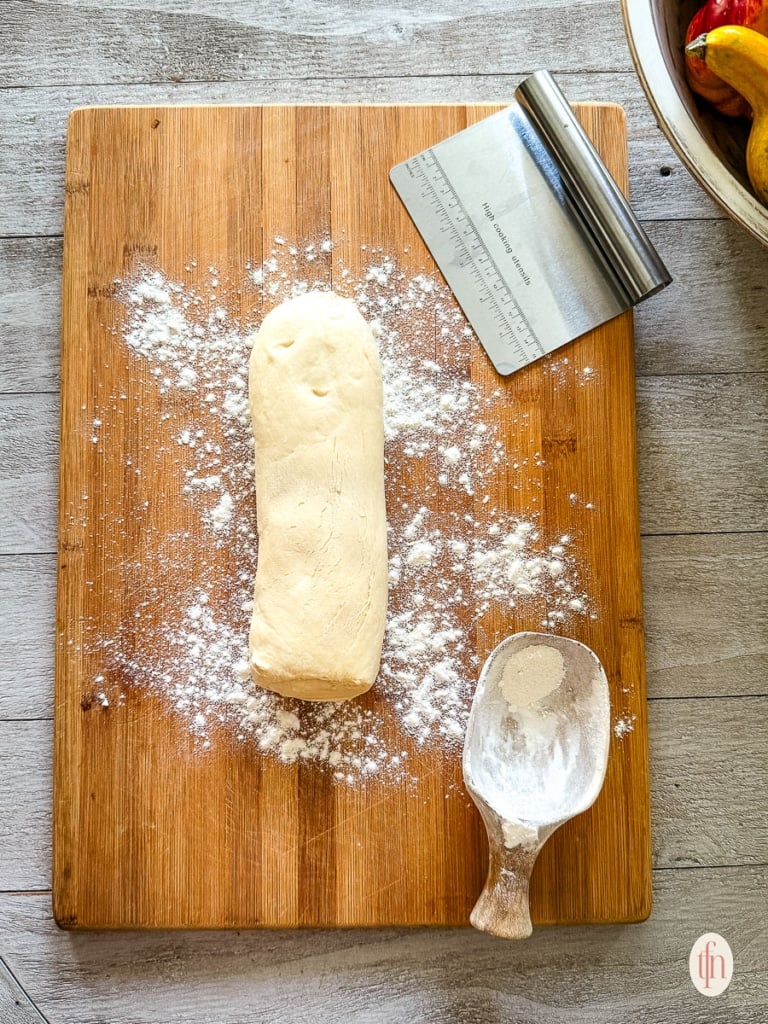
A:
(702, 350)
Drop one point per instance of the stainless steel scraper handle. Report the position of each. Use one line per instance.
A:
(608, 219)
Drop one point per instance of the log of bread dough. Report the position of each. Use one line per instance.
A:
(320, 596)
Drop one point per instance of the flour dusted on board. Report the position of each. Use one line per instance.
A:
(453, 556)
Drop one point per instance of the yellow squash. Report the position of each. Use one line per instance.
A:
(739, 55)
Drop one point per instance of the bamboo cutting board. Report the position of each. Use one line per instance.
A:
(147, 832)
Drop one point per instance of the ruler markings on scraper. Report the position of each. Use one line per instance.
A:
(491, 288)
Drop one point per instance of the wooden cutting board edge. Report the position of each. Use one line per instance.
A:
(70, 565)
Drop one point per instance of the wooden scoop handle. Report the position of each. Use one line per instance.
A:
(503, 907)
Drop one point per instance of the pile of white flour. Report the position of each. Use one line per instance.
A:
(448, 569)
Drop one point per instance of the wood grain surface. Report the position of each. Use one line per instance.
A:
(147, 833)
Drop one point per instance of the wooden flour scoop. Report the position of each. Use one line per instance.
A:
(535, 755)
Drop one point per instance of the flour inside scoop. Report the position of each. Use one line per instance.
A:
(538, 733)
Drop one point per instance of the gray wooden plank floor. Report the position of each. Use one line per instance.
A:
(702, 359)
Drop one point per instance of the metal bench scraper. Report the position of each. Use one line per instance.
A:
(529, 229)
